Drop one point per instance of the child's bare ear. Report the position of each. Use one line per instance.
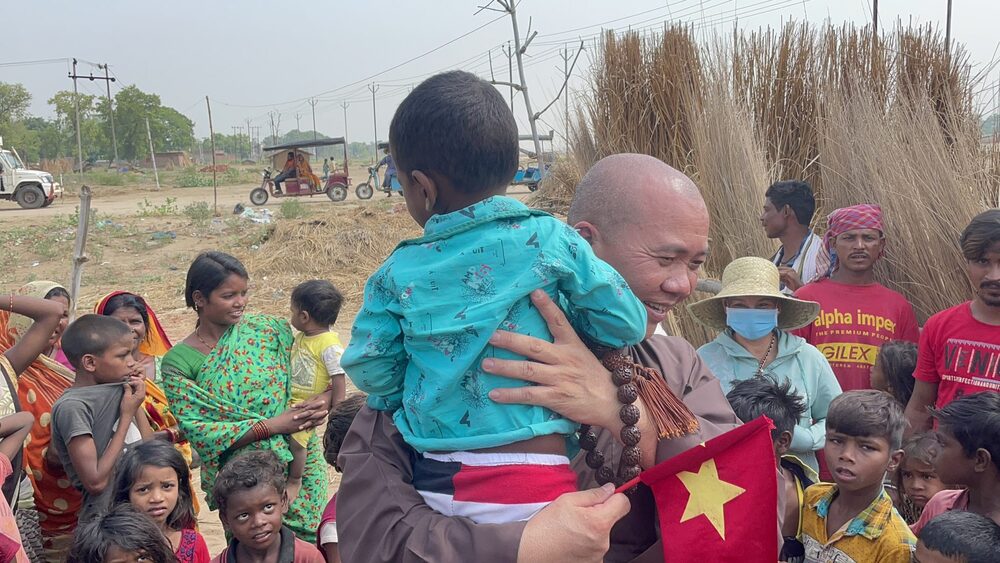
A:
(427, 186)
(88, 362)
(284, 502)
(895, 458)
(984, 461)
(784, 441)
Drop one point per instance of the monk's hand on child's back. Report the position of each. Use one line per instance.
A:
(567, 377)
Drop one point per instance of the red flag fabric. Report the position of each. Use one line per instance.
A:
(719, 501)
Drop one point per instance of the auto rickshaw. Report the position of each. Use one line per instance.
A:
(335, 186)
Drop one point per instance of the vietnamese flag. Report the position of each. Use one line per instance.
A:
(718, 501)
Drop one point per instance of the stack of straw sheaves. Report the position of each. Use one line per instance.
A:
(886, 120)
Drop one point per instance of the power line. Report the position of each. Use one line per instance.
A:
(32, 63)
(377, 74)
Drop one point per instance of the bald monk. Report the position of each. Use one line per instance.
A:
(650, 223)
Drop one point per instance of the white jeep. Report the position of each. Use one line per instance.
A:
(31, 189)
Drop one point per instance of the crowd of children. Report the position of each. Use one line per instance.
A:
(138, 500)
(931, 495)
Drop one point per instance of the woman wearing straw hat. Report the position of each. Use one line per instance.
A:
(753, 318)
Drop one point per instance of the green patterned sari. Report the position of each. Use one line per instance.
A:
(218, 397)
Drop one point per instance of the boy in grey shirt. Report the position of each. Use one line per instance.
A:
(91, 421)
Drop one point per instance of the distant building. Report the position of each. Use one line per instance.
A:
(169, 159)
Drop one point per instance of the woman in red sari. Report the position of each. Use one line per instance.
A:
(38, 387)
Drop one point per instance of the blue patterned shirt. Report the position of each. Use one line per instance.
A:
(422, 333)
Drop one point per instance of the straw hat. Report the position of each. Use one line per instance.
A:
(753, 277)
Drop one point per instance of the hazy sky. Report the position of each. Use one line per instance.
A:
(251, 57)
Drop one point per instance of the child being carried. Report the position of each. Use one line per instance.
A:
(424, 329)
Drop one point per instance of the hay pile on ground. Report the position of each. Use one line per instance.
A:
(887, 119)
(342, 246)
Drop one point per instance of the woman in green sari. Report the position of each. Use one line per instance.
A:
(228, 385)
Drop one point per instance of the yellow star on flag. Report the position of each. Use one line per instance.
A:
(708, 495)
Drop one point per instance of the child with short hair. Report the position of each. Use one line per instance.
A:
(751, 398)
(424, 330)
(154, 478)
(250, 494)
(92, 422)
(893, 370)
(121, 534)
(316, 371)
(959, 537)
(854, 517)
(916, 479)
(337, 426)
(969, 437)
(14, 429)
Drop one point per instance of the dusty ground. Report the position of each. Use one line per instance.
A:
(142, 240)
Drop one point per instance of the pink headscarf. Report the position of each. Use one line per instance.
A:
(863, 216)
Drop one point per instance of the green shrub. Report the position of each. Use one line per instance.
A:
(198, 212)
(293, 209)
(149, 209)
(104, 178)
(231, 176)
(191, 178)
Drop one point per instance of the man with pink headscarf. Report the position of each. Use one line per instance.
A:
(857, 314)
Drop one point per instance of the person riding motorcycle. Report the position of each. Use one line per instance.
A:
(390, 171)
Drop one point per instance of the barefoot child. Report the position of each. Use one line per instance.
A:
(92, 422)
(430, 310)
(250, 494)
(120, 535)
(853, 518)
(13, 430)
(316, 371)
(340, 421)
(154, 478)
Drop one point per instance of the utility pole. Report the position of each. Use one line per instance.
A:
(152, 155)
(249, 141)
(510, 71)
(313, 103)
(875, 18)
(374, 88)
(344, 105)
(215, 186)
(565, 55)
(947, 33)
(111, 111)
(76, 104)
(298, 116)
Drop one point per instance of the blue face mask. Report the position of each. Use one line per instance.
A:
(752, 324)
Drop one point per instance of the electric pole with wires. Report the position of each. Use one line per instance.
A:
(374, 88)
(111, 112)
(313, 102)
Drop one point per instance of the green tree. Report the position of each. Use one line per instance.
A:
(95, 142)
(170, 129)
(14, 102)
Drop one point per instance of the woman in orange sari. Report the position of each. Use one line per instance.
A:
(38, 387)
(151, 343)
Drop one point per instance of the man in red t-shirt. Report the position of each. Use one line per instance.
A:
(959, 349)
(857, 315)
